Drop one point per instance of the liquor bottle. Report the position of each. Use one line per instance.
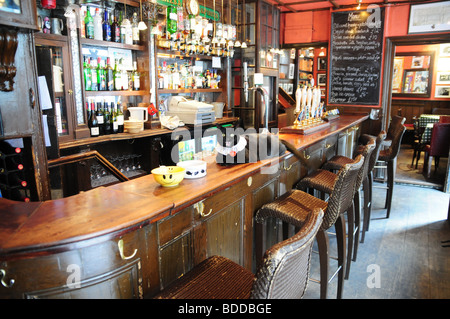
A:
(135, 29)
(101, 75)
(94, 86)
(171, 24)
(88, 112)
(136, 78)
(117, 77)
(98, 30)
(89, 24)
(124, 78)
(123, 31)
(115, 123)
(107, 119)
(93, 123)
(82, 23)
(115, 30)
(120, 118)
(109, 75)
(106, 27)
(126, 32)
(99, 113)
(87, 74)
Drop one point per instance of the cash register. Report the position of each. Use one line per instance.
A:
(191, 111)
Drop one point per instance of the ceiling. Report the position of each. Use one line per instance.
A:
(287, 6)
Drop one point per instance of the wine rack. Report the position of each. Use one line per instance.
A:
(13, 184)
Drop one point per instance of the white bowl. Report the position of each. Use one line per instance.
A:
(133, 126)
(194, 168)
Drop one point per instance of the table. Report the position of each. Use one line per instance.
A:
(427, 121)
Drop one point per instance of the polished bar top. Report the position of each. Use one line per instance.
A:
(106, 212)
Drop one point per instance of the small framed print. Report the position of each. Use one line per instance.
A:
(429, 17)
(442, 91)
(321, 64)
(291, 71)
(443, 77)
(321, 79)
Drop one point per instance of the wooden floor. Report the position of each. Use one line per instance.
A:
(405, 252)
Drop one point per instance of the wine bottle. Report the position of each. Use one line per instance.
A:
(135, 29)
(93, 123)
(17, 195)
(123, 30)
(117, 77)
(13, 163)
(7, 149)
(101, 75)
(171, 23)
(109, 75)
(89, 24)
(100, 118)
(106, 27)
(107, 119)
(120, 118)
(136, 78)
(88, 112)
(115, 30)
(115, 123)
(94, 77)
(87, 74)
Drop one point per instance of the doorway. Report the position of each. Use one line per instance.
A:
(405, 172)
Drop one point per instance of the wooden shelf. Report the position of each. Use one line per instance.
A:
(168, 91)
(110, 44)
(117, 93)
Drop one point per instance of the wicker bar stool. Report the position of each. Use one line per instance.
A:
(389, 156)
(283, 273)
(293, 207)
(336, 162)
(323, 181)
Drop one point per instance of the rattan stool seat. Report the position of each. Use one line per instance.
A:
(321, 180)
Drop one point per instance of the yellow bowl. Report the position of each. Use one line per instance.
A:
(168, 176)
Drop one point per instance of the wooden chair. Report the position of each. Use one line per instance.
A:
(283, 273)
(418, 146)
(439, 146)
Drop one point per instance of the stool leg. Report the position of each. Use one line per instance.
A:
(370, 196)
(366, 187)
(323, 244)
(357, 224)
(391, 175)
(350, 236)
(340, 237)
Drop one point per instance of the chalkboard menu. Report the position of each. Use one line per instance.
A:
(356, 55)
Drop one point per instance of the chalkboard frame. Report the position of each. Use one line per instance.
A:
(375, 98)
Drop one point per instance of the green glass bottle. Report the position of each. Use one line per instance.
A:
(171, 24)
(87, 74)
(89, 24)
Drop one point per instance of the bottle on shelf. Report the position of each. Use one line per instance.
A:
(89, 24)
(87, 74)
(100, 118)
(117, 77)
(98, 30)
(123, 30)
(126, 31)
(82, 22)
(115, 121)
(109, 75)
(101, 75)
(171, 23)
(136, 78)
(107, 119)
(115, 30)
(124, 78)
(106, 27)
(135, 29)
(94, 76)
(93, 123)
(120, 118)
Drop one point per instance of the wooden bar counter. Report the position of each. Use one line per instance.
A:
(131, 239)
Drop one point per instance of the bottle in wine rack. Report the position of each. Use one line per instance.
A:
(99, 112)
(107, 119)
(93, 123)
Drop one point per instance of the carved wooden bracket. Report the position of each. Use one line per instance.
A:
(8, 47)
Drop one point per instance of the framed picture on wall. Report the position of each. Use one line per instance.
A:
(321, 79)
(442, 91)
(429, 17)
(412, 74)
(321, 64)
(443, 77)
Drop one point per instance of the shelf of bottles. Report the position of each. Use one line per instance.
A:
(13, 184)
(194, 35)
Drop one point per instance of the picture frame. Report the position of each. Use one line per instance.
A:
(291, 71)
(321, 79)
(442, 91)
(413, 72)
(444, 50)
(443, 77)
(428, 17)
(321, 64)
